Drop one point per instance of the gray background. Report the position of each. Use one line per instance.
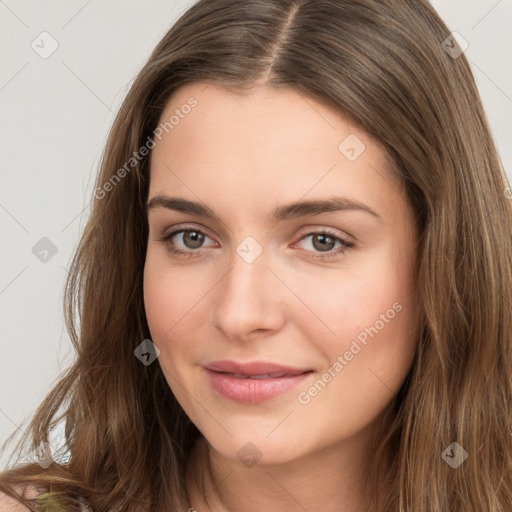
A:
(55, 116)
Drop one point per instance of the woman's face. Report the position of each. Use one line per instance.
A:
(297, 265)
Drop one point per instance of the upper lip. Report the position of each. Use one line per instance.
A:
(254, 368)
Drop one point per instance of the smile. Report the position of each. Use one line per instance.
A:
(253, 388)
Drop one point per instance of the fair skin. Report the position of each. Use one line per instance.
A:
(244, 156)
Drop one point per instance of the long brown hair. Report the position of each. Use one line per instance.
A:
(383, 63)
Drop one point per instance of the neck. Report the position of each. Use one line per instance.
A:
(331, 480)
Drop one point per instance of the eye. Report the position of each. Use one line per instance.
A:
(324, 242)
(191, 239)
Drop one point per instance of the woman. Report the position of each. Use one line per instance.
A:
(293, 290)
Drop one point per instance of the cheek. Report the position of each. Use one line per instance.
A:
(366, 361)
(345, 303)
(367, 320)
(174, 300)
(160, 301)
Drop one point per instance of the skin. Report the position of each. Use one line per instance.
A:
(243, 156)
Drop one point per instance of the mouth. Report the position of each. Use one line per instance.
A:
(252, 383)
(255, 369)
(264, 376)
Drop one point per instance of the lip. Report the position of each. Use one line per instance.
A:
(253, 368)
(254, 382)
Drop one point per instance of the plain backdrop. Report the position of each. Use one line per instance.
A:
(56, 111)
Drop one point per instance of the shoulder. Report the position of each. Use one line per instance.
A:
(10, 504)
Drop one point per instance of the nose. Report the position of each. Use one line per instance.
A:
(250, 299)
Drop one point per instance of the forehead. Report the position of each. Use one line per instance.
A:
(266, 145)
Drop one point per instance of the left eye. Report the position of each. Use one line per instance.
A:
(326, 241)
(322, 242)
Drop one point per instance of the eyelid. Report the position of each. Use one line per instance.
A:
(316, 228)
(186, 227)
(345, 243)
(307, 230)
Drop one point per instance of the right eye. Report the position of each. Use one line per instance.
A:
(191, 240)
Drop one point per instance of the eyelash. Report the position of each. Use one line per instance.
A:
(345, 245)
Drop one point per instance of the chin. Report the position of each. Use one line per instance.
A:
(250, 447)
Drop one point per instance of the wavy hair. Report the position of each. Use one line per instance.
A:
(383, 64)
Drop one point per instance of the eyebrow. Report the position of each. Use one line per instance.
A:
(284, 212)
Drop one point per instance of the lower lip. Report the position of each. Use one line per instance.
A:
(253, 391)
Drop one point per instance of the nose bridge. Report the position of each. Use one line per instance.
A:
(248, 279)
(246, 298)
